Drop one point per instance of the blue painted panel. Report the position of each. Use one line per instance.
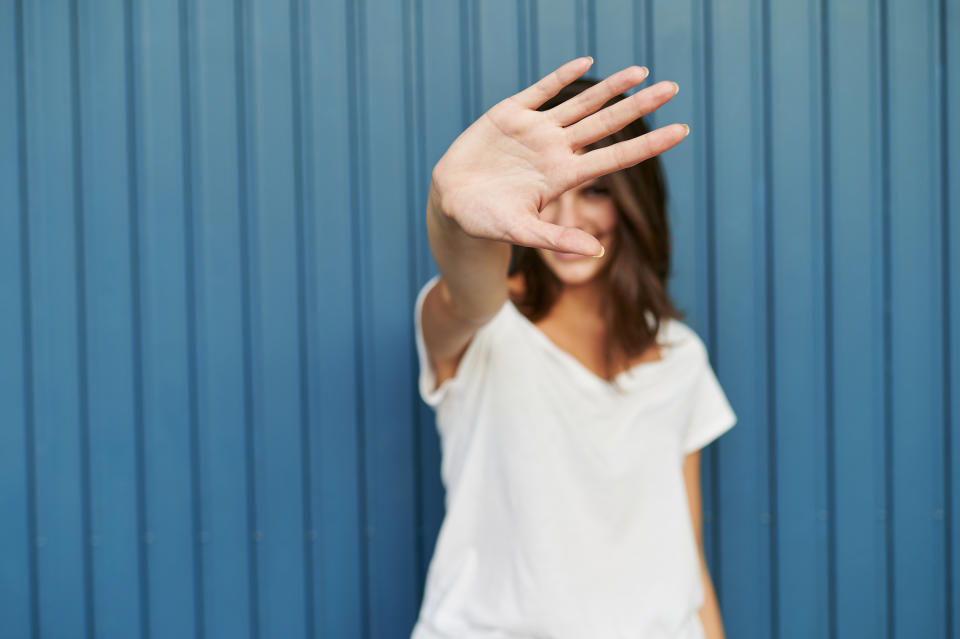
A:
(615, 50)
(339, 578)
(276, 315)
(55, 309)
(225, 534)
(165, 313)
(795, 248)
(674, 57)
(386, 288)
(109, 319)
(441, 103)
(950, 225)
(916, 318)
(17, 594)
(211, 235)
(557, 35)
(497, 34)
(855, 301)
(738, 187)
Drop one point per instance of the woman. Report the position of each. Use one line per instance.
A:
(571, 401)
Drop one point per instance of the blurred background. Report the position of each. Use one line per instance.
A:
(211, 237)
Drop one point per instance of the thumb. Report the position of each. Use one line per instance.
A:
(539, 234)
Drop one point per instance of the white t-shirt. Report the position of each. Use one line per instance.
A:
(566, 508)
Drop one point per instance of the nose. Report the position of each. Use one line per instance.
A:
(563, 210)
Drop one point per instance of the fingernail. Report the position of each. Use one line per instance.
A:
(602, 251)
(590, 58)
(687, 129)
(676, 88)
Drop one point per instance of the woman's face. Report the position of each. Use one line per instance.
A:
(588, 207)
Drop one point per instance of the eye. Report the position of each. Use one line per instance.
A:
(594, 190)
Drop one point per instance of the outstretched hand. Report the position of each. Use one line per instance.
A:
(504, 168)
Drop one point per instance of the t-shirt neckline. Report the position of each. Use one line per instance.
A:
(632, 372)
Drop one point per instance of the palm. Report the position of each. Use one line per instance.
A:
(512, 166)
(505, 167)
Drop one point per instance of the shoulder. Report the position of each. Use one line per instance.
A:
(439, 379)
(681, 340)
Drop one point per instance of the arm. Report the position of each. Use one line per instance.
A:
(710, 611)
(472, 288)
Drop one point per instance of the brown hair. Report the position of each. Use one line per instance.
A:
(636, 273)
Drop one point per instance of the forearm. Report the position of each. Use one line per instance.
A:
(473, 269)
(710, 610)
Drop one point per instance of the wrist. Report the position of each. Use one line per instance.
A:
(435, 206)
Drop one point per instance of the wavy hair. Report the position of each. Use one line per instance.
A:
(635, 276)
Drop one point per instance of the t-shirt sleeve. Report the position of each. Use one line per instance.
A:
(711, 414)
(470, 365)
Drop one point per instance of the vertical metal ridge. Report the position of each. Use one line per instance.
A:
(580, 22)
(191, 247)
(884, 89)
(299, 50)
(476, 108)
(944, 157)
(526, 42)
(413, 138)
(470, 68)
(709, 189)
(523, 60)
(422, 251)
(586, 32)
(766, 159)
(240, 25)
(648, 48)
(80, 275)
(356, 76)
(534, 35)
(826, 204)
(592, 28)
(466, 93)
(580, 39)
(643, 48)
(422, 248)
(26, 319)
(133, 197)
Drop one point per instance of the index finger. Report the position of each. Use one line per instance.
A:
(550, 85)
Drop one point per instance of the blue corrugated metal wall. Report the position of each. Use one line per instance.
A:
(211, 237)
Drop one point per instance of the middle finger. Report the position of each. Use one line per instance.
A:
(620, 114)
(591, 99)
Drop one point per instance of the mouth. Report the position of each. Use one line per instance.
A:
(568, 257)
